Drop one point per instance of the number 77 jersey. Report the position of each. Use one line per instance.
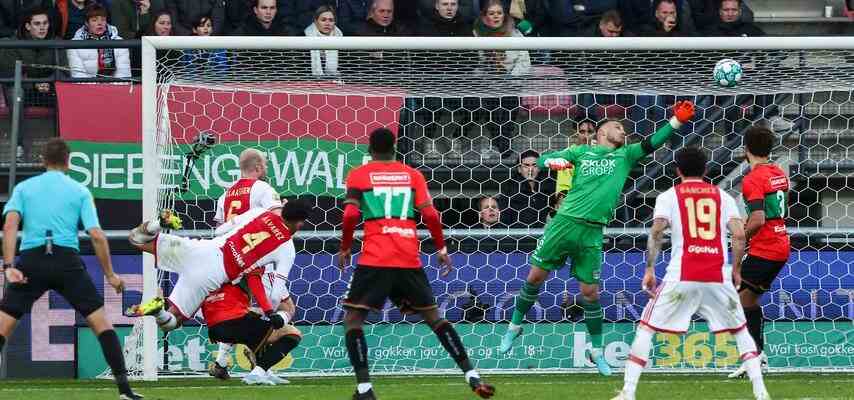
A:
(388, 194)
(698, 214)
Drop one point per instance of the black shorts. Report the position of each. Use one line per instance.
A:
(757, 274)
(249, 330)
(407, 288)
(62, 271)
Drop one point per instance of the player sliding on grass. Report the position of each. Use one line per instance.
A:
(698, 279)
(259, 238)
(575, 232)
(387, 194)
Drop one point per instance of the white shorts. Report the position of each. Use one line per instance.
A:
(200, 268)
(671, 309)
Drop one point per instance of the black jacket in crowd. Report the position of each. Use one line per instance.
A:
(738, 28)
(527, 207)
(436, 25)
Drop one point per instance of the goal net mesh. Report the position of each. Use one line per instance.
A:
(463, 118)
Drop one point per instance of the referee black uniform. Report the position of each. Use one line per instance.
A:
(51, 206)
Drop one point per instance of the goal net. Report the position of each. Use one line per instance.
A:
(464, 111)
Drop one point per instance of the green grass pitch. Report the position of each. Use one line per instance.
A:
(521, 387)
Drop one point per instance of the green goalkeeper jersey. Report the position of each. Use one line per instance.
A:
(600, 173)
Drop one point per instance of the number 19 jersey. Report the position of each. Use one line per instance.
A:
(387, 194)
(698, 213)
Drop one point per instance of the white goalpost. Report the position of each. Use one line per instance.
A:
(260, 92)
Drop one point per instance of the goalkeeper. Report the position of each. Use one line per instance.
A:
(576, 231)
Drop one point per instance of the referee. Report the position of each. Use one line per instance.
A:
(51, 206)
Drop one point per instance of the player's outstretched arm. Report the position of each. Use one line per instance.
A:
(260, 295)
(558, 160)
(653, 247)
(683, 112)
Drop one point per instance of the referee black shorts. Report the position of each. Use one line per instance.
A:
(62, 271)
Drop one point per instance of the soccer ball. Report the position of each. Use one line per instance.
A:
(727, 72)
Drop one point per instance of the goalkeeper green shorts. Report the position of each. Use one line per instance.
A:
(567, 237)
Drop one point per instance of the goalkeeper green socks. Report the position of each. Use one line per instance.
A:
(593, 320)
(524, 301)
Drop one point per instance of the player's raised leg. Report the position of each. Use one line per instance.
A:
(524, 301)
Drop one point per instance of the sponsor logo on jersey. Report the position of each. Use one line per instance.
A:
(779, 182)
(390, 178)
(238, 258)
(598, 167)
(703, 249)
(780, 229)
(405, 232)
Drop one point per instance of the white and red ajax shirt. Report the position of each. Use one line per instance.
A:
(698, 213)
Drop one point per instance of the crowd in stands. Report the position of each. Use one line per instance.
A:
(524, 199)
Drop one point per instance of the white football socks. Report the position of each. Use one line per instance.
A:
(364, 387)
(513, 327)
(472, 373)
(746, 345)
(166, 321)
(640, 350)
(224, 354)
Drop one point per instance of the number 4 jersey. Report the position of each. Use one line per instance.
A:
(765, 189)
(387, 194)
(698, 213)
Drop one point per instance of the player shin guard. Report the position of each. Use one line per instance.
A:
(524, 301)
(750, 358)
(276, 351)
(357, 349)
(593, 320)
(115, 359)
(754, 326)
(453, 345)
(223, 354)
(637, 360)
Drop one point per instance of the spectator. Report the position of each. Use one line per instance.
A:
(494, 22)
(324, 62)
(87, 63)
(666, 22)
(352, 14)
(239, 11)
(12, 11)
(264, 22)
(528, 192)
(381, 21)
(638, 13)
(490, 213)
(610, 25)
(132, 16)
(576, 17)
(466, 9)
(705, 13)
(305, 11)
(184, 12)
(204, 61)
(730, 22)
(444, 20)
(160, 24)
(71, 15)
(34, 26)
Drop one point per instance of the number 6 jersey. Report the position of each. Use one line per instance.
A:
(698, 213)
(387, 194)
(765, 189)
